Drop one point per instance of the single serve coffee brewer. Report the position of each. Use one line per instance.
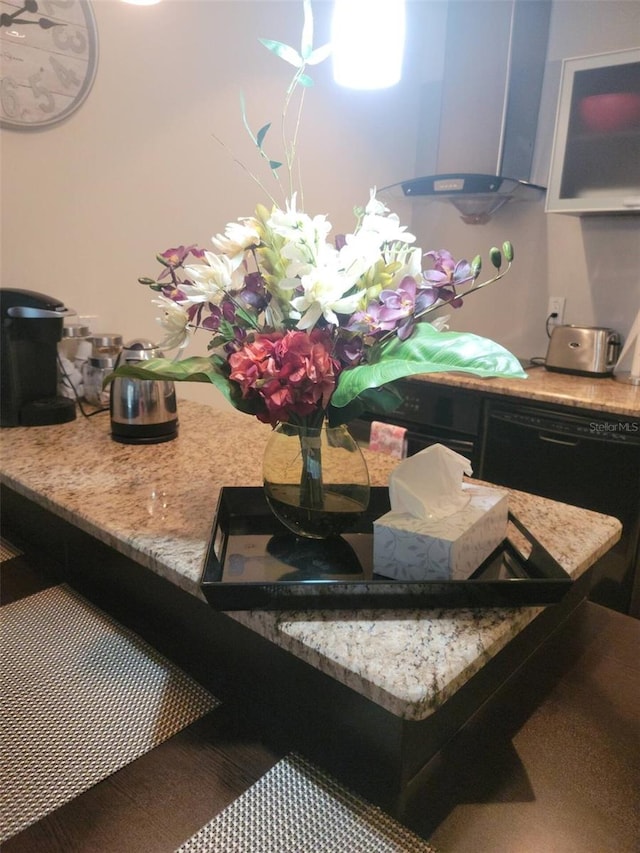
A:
(31, 329)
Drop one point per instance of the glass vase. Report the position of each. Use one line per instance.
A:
(316, 480)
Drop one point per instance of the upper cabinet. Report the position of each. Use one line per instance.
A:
(595, 162)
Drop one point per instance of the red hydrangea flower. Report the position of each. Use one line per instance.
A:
(293, 373)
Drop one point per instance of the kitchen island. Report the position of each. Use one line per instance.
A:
(373, 695)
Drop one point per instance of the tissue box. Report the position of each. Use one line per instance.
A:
(452, 548)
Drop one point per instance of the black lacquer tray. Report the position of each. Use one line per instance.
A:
(255, 563)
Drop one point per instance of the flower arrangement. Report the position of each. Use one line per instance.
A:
(303, 328)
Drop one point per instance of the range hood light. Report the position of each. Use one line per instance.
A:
(478, 210)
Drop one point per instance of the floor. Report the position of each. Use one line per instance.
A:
(553, 769)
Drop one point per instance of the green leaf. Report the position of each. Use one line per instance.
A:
(284, 51)
(381, 401)
(507, 251)
(261, 134)
(274, 164)
(306, 45)
(319, 54)
(305, 80)
(145, 280)
(428, 351)
(194, 369)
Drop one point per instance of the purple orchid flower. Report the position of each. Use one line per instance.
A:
(446, 270)
(369, 321)
(239, 339)
(254, 295)
(217, 313)
(349, 350)
(400, 303)
(446, 275)
(173, 259)
(400, 308)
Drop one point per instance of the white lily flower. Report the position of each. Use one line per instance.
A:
(237, 238)
(174, 320)
(386, 226)
(304, 235)
(374, 206)
(213, 279)
(323, 294)
(360, 252)
(411, 261)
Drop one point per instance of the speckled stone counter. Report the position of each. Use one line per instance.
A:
(155, 504)
(599, 394)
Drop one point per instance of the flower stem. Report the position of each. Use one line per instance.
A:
(311, 486)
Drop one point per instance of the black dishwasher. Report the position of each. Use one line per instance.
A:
(582, 459)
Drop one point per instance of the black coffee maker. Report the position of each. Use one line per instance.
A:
(31, 328)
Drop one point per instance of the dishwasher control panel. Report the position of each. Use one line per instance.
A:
(619, 430)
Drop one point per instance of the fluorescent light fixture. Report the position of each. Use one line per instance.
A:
(368, 43)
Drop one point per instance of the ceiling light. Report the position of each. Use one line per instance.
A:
(368, 43)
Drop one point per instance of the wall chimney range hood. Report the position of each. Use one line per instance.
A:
(489, 108)
(477, 197)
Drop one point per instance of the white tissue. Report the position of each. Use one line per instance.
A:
(428, 485)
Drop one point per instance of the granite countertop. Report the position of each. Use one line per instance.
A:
(601, 394)
(156, 504)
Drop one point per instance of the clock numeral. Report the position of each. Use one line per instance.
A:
(40, 91)
(8, 97)
(66, 39)
(66, 76)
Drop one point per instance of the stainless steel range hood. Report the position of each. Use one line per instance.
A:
(490, 101)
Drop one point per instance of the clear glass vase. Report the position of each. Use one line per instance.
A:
(315, 479)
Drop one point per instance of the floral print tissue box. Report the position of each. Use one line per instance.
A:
(412, 549)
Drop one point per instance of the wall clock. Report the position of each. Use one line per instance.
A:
(48, 59)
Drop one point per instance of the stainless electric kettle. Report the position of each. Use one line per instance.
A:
(143, 411)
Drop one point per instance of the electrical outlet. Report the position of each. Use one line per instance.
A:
(556, 306)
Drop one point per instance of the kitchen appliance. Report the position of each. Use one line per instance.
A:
(143, 411)
(589, 460)
(431, 414)
(105, 351)
(498, 91)
(31, 329)
(584, 350)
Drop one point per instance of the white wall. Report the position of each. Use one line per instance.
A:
(87, 204)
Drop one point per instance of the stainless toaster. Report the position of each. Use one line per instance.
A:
(585, 350)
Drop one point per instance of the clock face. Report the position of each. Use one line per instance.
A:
(48, 57)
